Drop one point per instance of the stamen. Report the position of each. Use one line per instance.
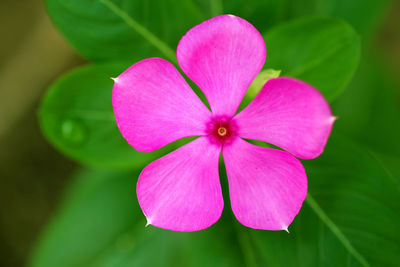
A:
(222, 131)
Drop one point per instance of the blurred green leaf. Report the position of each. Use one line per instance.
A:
(376, 96)
(100, 224)
(350, 217)
(261, 13)
(120, 30)
(361, 197)
(390, 162)
(321, 51)
(123, 30)
(264, 14)
(363, 15)
(98, 209)
(77, 117)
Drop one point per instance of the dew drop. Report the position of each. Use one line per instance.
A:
(73, 131)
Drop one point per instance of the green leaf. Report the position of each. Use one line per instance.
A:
(99, 207)
(266, 14)
(365, 20)
(260, 80)
(350, 217)
(123, 30)
(375, 121)
(100, 224)
(76, 116)
(321, 51)
(390, 163)
(262, 14)
(257, 85)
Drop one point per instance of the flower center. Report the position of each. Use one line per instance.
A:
(221, 130)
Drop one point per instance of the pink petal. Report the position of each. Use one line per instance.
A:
(154, 105)
(222, 56)
(267, 186)
(289, 114)
(181, 191)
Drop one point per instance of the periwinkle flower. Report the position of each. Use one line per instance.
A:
(155, 106)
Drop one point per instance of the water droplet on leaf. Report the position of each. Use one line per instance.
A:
(73, 131)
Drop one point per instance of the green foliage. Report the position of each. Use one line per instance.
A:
(375, 121)
(363, 15)
(121, 30)
(132, 30)
(351, 210)
(361, 197)
(257, 85)
(261, 13)
(321, 51)
(350, 217)
(260, 80)
(100, 224)
(351, 214)
(76, 116)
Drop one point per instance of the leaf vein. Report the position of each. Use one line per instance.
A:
(335, 230)
(143, 31)
(313, 64)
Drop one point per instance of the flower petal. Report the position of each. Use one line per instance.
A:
(289, 114)
(267, 186)
(181, 191)
(222, 56)
(154, 105)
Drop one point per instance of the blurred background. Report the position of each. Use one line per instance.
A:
(33, 175)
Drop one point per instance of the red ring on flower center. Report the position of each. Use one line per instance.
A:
(221, 130)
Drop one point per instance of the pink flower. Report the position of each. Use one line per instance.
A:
(155, 106)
